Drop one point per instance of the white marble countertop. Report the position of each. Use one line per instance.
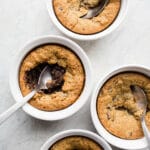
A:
(22, 20)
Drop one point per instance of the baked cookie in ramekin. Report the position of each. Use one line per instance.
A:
(70, 13)
(76, 139)
(71, 74)
(68, 76)
(116, 106)
(67, 16)
(113, 108)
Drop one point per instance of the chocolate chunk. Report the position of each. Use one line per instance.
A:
(57, 73)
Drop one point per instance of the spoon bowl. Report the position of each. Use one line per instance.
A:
(93, 12)
(44, 78)
(140, 98)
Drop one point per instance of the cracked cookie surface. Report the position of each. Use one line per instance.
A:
(116, 106)
(67, 73)
(76, 143)
(69, 13)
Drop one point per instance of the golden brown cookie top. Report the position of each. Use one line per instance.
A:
(67, 73)
(76, 143)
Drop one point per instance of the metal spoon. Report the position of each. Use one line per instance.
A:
(92, 12)
(44, 77)
(142, 103)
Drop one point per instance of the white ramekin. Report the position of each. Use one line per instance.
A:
(55, 115)
(118, 142)
(76, 132)
(112, 27)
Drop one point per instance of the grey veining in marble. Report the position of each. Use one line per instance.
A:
(22, 20)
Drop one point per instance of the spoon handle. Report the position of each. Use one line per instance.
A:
(5, 115)
(146, 133)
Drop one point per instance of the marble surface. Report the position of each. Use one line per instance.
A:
(22, 20)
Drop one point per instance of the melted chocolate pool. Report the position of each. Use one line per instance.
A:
(57, 73)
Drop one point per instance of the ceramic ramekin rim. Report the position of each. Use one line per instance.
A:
(14, 84)
(117, 142)
(110, 29)
(78, 132)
